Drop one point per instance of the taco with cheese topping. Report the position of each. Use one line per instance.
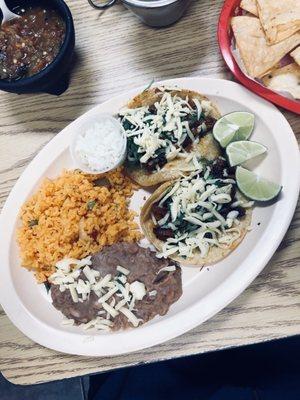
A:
(165, 128)
(198, 219)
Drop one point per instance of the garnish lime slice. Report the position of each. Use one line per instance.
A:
(239, 152)
(255, 187)
(233, 127)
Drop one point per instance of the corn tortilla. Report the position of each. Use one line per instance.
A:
(215, 254)
(207, 146)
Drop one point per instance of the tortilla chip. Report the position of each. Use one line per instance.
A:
(250, 6)
(285, 79)
(258, 57)
(280, 19)
(296, 55)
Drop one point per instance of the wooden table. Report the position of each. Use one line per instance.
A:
(114, 53)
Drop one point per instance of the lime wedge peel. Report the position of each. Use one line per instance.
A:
(255, 187)
(233, 127)
(239, 152)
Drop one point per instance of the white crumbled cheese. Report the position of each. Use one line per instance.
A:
(82, 287)
(138, 290)
(101, 147)
(90, 274)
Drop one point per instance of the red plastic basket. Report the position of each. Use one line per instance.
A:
(230, 9)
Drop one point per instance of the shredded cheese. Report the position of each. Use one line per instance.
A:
(197, 215)
(123, 270)
(107, 288)
(131, 317)
(166, 128)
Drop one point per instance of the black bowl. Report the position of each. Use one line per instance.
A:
(53, 79)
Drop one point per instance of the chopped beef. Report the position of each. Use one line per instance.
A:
(162, 233)
(158, 211)
(233, 192)
(218, 167)
(159, 161)
(210, 123)
(208, 235)
(187, 144)
(241, 211)
(225, 210)
(152, 109)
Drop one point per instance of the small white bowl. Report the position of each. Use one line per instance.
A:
(81, 131)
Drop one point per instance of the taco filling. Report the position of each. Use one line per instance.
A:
(200, 212)
(165, 130)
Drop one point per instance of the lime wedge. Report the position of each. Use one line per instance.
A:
(234, 126)
(239, 152)
(255, 187)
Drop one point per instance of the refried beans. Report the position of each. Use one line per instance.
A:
(30, 43)
(160, 277)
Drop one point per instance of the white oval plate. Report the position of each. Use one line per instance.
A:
(204, 292)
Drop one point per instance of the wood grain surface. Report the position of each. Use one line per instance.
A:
(115, 52)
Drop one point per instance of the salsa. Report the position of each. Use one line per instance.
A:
(30, 43)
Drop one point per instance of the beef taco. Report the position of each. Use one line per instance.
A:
(198, 219)
(164, 127)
